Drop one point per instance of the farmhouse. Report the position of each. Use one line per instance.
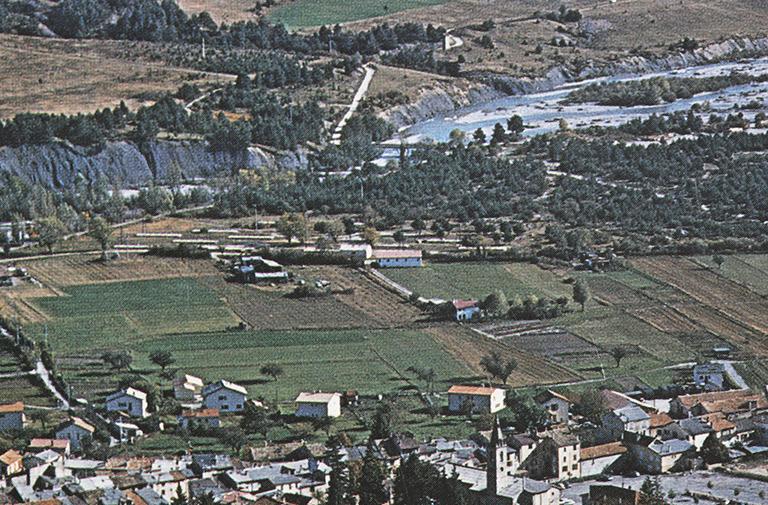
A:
(75, 430)
(557, 406)
(318, 405)
(225, 396)
(208, 418)
(252, 269)
(394, 258)
(600, 459)
(130, 401)
(12, 416)
(11, 463)
(188, 388)
(465, 310)
(709, 376)
(483, 400)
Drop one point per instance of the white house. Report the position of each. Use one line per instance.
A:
(131, 401)
(630, 418)
(358, 253)
(12, 416)
(557, 406)
(318, 405)
(225, 396)
(483, 400)
(75, 430)
(656, 456)
(709, 376)
(188, 388)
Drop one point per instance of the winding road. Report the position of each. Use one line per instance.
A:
(359, 95)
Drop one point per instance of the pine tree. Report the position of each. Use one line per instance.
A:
(180, 498)
(338, 486)
(372, 491)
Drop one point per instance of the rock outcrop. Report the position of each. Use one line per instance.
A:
(59, 164)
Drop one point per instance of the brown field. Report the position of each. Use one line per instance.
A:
(718, 296)
(469, 347)
(222, 11)
(67, 76)
(612, 291)
(88, 269)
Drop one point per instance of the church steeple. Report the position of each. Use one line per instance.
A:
(497, 459)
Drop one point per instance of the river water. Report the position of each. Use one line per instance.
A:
(541, 112)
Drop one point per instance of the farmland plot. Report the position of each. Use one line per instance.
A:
(734, 301)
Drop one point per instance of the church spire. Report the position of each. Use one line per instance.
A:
(497, 451)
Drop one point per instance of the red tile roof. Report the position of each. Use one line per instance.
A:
(471, 390)
(396, 253)
(201, 413)
(48, 443)
(10, 457)
(12, 407)
(464, 304)
(601, 451)
(660, 419)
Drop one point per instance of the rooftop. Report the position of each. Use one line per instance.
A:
(10, 457)
(201, 413)
(12, 407)
(601, 451)
(224, 384)
(316, 397)
(396, 253)
(472, 390)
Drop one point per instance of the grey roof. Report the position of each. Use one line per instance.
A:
(632, 414)
(524, 484)
(111, 497)
(150, 496)
(667, 447)
(695, 426)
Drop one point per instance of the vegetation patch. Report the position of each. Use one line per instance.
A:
(306, 13)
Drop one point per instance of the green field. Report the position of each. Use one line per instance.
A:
(477, 280)
(306, 13)
(114, 315)
(186, 318)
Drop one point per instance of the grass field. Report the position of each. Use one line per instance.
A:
(477, 280)
(308, 13)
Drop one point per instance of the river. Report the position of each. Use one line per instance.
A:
(541, 112)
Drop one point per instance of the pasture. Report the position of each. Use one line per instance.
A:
(310, 13)
(477, 280)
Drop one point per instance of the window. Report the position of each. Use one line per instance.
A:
(225, 407)
(565, 459)
(575, 466)
(222, 397)
(239, 406)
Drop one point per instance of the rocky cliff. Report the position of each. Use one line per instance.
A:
(60, 164)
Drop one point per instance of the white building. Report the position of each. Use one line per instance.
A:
(709, 376)
(131, 401)
(630, 418)
(75, 430)
(557, 406)
(225, 396)
(188, 388)
(12, 416)
(318, 405)
(483, 400)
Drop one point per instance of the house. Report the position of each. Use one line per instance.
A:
(465, 310)
(188, 388)
(601, 459)
(225, 396)
(557, 406)
(130, 401)
(396, 258)
(318, 404)
(523, 444)
(655, 456)
(697, 429)
(483, 400)
(630, 418)
(11, 463)
(253, 269)
(12, 416)
(737, 403)
(62, 446)
(75, 430)
(709, 376)
(611, 495)
(357, 253)
(659, 421)
(208, 418)
(556, 457)
(207, 465)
